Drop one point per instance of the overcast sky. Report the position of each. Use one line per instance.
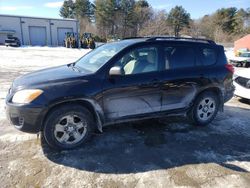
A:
(50, 8)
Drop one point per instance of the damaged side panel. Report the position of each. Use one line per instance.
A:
(131, 95)
(126, 102)
(176, 96)
(180, 88)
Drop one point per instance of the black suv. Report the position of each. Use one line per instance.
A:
(129, 80)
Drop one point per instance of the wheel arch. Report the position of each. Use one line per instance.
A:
(215, 90)
(90, 104)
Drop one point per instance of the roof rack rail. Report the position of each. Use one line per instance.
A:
(180, 38)
(135, 38)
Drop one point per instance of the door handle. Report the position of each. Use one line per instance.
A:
(153, 83)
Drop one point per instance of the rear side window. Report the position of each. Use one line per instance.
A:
(207, 56)
(179, 57)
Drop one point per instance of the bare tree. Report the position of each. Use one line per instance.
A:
(157, 25)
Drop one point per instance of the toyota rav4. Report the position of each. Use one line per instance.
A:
(123, 81)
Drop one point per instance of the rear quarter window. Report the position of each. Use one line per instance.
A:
(208, 56)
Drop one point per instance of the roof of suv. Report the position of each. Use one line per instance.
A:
(172, 39)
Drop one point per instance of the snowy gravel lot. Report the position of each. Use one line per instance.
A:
(169, 153)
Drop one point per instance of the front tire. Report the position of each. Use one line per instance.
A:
(68, 127)
(205, 109)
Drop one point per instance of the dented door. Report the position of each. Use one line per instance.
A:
(180, 76)
(178, 88)
(131, 95)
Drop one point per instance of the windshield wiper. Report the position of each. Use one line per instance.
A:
(74, 67)
(78, 68)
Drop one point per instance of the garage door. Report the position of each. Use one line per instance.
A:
(2, 38)
(61, 33)
(37, 36)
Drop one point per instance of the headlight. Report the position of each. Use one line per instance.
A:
(235, 76)
(26, 96)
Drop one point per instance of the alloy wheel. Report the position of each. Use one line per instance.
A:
(70, 129)
(206, 109)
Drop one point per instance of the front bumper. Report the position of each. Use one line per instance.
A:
(11, 44)
(25, 118)
(241, 91)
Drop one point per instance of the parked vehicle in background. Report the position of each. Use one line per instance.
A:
(87, 41)
(242, 60)
(12, 41)
(70, 40)
(241, 50)
(123, 81)
(242, 83)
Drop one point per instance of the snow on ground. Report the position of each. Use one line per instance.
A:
(37, 57)
(17, 61)
(169, 153)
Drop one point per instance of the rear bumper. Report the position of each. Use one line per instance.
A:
(25, 118)
(228, 95)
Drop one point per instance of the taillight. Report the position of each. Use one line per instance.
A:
(230, 67)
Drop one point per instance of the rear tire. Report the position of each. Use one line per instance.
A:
(68, 127)
(205, 109)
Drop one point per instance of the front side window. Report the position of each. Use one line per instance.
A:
(140, 60)
(179, 57)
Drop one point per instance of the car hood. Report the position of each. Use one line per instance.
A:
(243, 72)
(49, 76)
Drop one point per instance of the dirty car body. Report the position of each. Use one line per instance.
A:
(124, 86)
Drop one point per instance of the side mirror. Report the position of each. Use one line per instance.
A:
(116, 71)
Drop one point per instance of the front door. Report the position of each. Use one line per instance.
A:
(137, 92)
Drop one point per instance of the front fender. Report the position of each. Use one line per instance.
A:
(89, 103)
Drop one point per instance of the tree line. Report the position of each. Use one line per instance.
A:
(132, 18)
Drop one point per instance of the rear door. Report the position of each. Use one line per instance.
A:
(181, 76)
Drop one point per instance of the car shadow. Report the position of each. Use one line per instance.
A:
(153, 145)
(245, 101)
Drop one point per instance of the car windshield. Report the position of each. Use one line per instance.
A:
(95, 59)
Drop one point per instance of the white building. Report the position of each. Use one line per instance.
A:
(36, 31)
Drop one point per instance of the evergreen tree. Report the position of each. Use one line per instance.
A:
(178, 18)
(128, 17)
(68, 9)
(226, 18)
(143, 14)
(105, 15)
(83, 9)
